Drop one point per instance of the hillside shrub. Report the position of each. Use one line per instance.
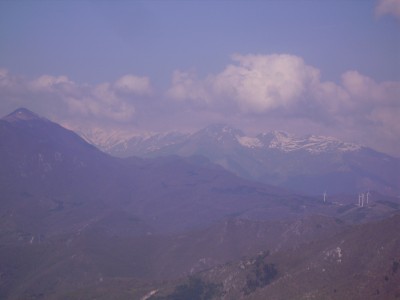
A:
(194, 289)
(261, 274)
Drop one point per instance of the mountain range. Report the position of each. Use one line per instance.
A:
(41, 161)
(310, 164)
(77, 223)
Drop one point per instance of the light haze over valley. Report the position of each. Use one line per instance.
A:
(175, 150)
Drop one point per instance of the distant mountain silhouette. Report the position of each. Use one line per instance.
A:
(310, 164)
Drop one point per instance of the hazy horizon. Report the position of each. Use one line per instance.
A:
(306, 67)
(152, 197)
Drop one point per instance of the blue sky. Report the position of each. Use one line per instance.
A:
(326, 67)
(96, 41)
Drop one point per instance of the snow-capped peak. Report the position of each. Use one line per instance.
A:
(219, 132)
(117, 141)
(313, 144)
(250, 142)
(318, 144)
(105, 139)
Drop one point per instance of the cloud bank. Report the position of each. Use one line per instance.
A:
(64, 98)
(264, 90)
(253, 84)
(284, 86)
(388, 7)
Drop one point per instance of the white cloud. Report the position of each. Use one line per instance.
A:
(49, 83)
(134, 84)
(60, 96)
(259, 83)
(5, 80)
(388, 7)
(10, 83)
(252, 84)
(186, 87)
(362, 87)
(101, 101)
(284, 86)
(263, 84)
(253, 89)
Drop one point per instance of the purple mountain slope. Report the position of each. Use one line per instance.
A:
(53, 176)
(79, 223)
(310, 164)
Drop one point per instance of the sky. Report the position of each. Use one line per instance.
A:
(305, 67)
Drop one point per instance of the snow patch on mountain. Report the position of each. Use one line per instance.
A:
(318, 144)
(313, 144)
(117, 142)
(283, 141)
(250, 142)
(106, 140)
(161, 140)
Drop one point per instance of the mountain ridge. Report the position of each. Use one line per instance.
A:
(79, 223)
(42, 161)
(22, 114)
(309, 164)
(276, 139)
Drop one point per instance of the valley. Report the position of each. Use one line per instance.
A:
(78, 223)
